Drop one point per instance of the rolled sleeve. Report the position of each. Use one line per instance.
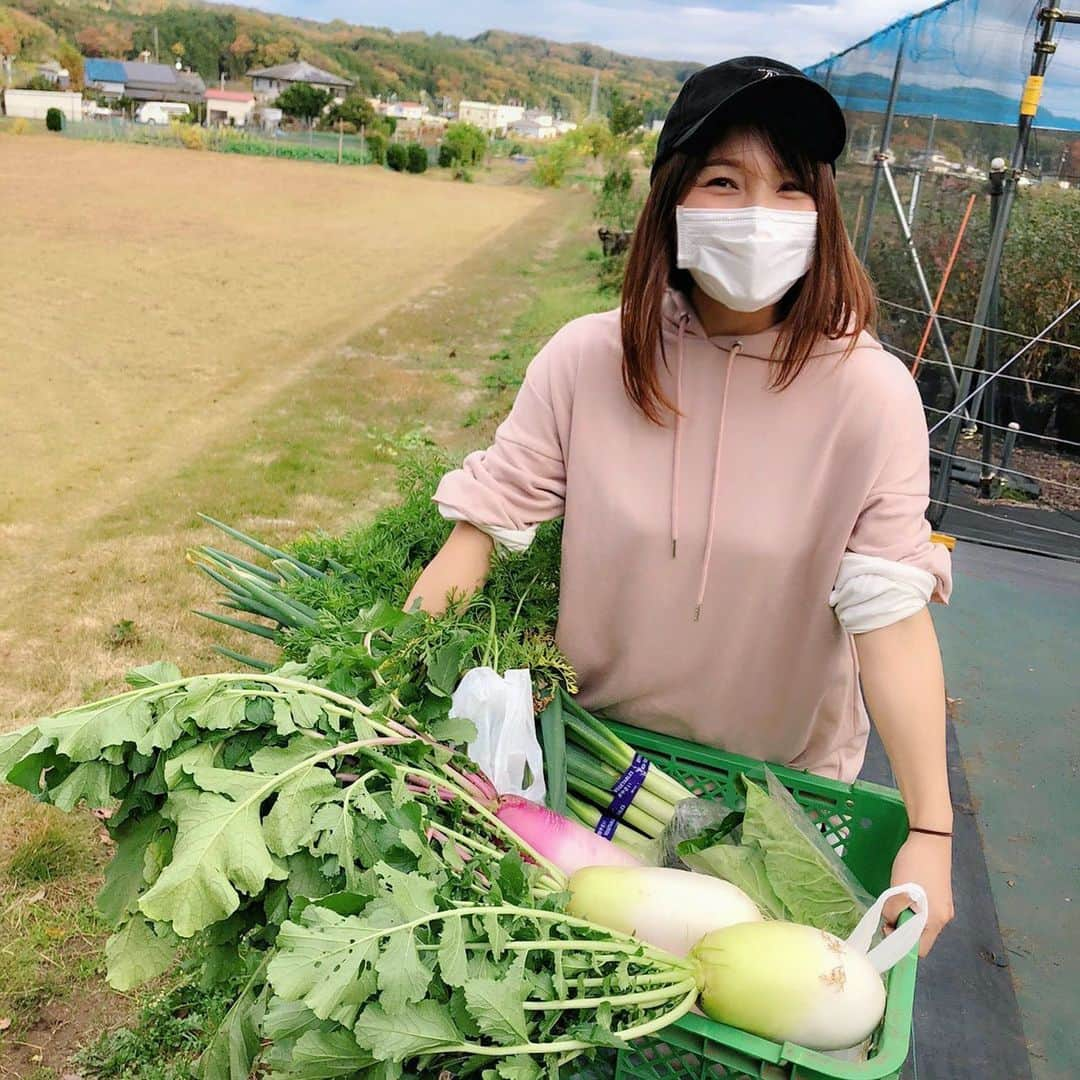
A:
(892, 528)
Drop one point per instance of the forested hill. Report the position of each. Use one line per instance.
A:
(495, 65)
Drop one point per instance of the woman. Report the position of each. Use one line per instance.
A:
(741, 469)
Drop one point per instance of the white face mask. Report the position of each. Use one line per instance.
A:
(745, 259)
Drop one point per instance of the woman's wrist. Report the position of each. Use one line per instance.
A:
(930, 818)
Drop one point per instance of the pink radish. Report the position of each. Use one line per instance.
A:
(568, 845)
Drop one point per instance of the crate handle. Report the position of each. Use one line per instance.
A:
(899, 943)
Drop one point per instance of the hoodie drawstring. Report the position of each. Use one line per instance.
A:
(714, 497)
(676, 453)
(676, 460)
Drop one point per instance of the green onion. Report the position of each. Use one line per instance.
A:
(594, 735)
(600, 798)
(604, 776)
(627, 838)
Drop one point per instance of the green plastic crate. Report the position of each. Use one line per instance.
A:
(870, 823)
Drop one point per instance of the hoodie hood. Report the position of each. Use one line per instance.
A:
(677, 309)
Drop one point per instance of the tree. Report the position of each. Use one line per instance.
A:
(177, 49)
(242, 47)
(9, 42)
(54, 120)
(624, 117)
(397, 157)
(92, 41)
(302, 101)
(272, 53)
(463, 144)
(593, 138)
(108, 39)
(355, 110)
(648, 148)
(553, 163)
(71, 58)
(377, 144)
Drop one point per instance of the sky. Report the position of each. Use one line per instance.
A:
(709, 30)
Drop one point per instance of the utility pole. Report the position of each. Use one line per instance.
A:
(594, 101)
(156, 58)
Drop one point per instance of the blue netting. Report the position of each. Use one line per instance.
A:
(963, 60)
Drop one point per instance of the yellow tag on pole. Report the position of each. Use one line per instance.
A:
(943, 538)
(1029, 103)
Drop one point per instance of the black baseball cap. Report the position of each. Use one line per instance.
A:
(747, 88)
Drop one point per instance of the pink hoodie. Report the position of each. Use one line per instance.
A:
(698, 557)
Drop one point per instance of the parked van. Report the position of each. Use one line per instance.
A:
(161, 112)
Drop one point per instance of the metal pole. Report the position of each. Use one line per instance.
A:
(920, 277)
(916, 183)
(988, 399)
(886, 135)
(997, 178)
(1044, 47)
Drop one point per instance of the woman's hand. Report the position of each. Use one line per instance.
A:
(926, 860)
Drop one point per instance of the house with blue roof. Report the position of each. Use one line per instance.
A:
(108, 76)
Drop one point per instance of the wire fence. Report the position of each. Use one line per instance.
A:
(963, 163)
(1014, 470)
(349, 149)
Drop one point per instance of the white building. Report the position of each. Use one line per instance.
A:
(34, 104)
(534, 125)
(229, 108)
(489, 117)
(531, 129)
(540, 125)
(406, 110)
(57, 75)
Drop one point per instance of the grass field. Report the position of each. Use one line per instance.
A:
(243, 337)
(161, 298)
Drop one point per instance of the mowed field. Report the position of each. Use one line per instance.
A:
(153, 304)
(249, 338)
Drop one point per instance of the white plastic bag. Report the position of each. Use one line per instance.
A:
(890, 950)
(501, 707)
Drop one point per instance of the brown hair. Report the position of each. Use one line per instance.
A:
(834, 299)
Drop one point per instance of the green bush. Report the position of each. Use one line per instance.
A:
(376, 143)
(552, 165)
(397, 157)
(616, 205)
(416, 160)
(54, 120)
(463, 144)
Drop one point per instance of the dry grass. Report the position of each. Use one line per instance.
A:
(94, 529)
(168, 304)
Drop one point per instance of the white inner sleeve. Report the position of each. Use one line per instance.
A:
(513, 540)
(871, 592)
